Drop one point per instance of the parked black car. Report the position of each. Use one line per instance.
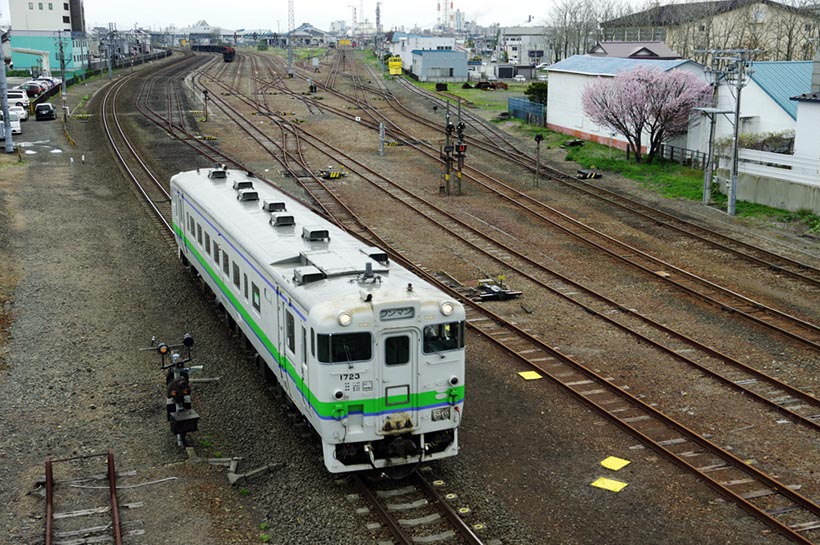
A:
(45, 111)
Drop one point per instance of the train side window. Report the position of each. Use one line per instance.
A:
(236, 274)
(257, 304)
(216, 252)
(190, 224)
(312, 342)
(289, 325)
(245, 279)
(397, 350)
(199, 234)
(207, 243)
(226, 264)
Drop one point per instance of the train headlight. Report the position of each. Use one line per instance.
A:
(447, 308)
(345, 319)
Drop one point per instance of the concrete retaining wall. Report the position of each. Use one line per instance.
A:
(777, 193)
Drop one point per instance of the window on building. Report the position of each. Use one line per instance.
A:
(40, 5)
(50, 6)
(65, 6)
(207, 243)
(235, 274)
(289, 327)
(257, 303)
(31, 5)
(66, 19)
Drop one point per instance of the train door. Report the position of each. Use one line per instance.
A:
(398, 358)
(303, 369)
(181, 222)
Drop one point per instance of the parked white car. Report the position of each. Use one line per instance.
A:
(519, 78)
(18, 97)
(14, 120)
(21, 112)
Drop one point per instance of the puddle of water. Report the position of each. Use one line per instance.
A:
(29, 144)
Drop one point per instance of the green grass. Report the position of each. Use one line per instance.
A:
(487, 100)
(668, 179)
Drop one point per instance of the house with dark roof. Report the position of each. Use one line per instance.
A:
(633, 50)
(783, 32)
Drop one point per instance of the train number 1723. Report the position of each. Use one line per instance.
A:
(349, 376)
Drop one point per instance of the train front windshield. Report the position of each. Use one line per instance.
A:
(443, 337)
(343, 348)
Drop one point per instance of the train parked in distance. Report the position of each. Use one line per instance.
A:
(372, 355)
(228, 52)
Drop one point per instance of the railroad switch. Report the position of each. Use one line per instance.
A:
(588, 174)
(332, 173)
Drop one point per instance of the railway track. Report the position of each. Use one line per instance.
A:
(414, 511)
(776, 503)
(73, 529)
(763, 315)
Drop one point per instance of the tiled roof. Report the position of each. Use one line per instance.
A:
(609, 66)
(782, 80)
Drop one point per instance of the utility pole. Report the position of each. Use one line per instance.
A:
(205, 101)
(733, 65)
(381, 139)
(62, 75)
(460, 149)
(291, 28)
(4, 97)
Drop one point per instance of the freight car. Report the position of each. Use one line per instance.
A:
(228, 53)
(369, 353)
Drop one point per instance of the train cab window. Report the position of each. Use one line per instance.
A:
(245, 284)
(226, 264)
(443, 337)
(235, 274)
(397, 350)
(344, 348)
(207, 243)
(289, 326)
(257, 303)
(216, 252)
(199, 234)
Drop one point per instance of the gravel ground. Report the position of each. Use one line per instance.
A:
(108, 281)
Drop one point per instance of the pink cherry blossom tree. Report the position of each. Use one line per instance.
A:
(647, 105)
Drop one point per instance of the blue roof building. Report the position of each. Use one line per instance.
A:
(440, 66)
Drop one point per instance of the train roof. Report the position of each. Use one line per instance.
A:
(317, 261)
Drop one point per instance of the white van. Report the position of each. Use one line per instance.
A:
(18, 97)
(14, 119)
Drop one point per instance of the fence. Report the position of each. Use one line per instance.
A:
(531, 112)
(779, 166)
(693, 158)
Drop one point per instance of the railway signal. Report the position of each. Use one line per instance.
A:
(538, 139)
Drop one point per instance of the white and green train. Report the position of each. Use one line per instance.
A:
(370, 354)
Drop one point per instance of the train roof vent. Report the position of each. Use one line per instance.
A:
(242, 184)
(274, 206)
(376, 254)
(247, 195)
(313, 234)
(282, 220)
(217, 173)
(306, 275)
